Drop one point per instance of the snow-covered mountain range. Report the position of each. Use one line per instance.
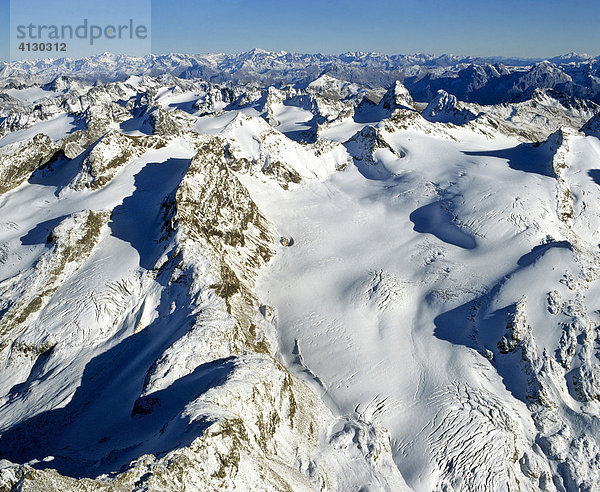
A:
(479, 80)
(272, 271)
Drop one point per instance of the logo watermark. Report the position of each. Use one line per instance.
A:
(65, 28)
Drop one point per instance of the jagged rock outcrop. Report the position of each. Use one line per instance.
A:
(397, 97)
(592, 127)
(106, 157)
(445, 108)
(364, 143)
(277, 157)
(16, 165)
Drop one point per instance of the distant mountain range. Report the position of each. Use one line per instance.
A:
(473, 79)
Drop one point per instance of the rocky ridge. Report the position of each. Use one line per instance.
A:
(163, 172)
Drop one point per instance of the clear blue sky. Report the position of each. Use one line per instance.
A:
(96, 16)
(526, 28)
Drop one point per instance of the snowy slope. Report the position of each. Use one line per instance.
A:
(221, 287)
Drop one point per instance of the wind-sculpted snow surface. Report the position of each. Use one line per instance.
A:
(317, 286)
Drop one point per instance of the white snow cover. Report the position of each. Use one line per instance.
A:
(231, 288)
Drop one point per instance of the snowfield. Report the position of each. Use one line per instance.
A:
(229, 287)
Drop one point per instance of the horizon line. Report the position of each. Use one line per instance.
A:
(285, 52)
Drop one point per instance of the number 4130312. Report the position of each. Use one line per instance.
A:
(43, 47)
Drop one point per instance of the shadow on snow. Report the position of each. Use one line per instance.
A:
(475, 325)
(98, 430)
(527, 157)
(436, 219)
(139, 219)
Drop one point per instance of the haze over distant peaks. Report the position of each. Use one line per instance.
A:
(475, 79)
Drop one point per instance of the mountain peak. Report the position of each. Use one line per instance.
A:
(259, 51)
(445, 108)
(397, 97)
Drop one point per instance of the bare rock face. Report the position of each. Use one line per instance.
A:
(286, 241)
(592, 127)
(397, 97)
(108, 155)
(445, 108)
(17, 165)
(169, 122)
(367, 141)
(212, 207)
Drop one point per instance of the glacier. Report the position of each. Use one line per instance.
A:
(311, 280)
